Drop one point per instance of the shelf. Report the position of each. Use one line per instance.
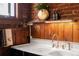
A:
(50, 21)
(56, 21)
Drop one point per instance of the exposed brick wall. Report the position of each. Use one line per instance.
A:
(66, 10)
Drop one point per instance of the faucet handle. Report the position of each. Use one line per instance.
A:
(63, 47)
(69, 45)
(53, 45)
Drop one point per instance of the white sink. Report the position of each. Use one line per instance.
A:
(63, 53)
(55, 53)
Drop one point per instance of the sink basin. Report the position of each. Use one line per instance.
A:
(55, 53)
(63, 53)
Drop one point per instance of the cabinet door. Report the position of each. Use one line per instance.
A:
(20, 36)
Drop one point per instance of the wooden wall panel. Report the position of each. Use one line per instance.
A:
(42, 32)
(47, 31)
(56, 27)
(52, 30)
(36, 31)
(76, 32)
(68, 31)
(52, 27)
(61, 31)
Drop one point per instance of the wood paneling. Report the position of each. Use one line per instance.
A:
(68, 31)
(61, 31)
(42, 32)
(52, 30)
(76, 32)
(47, 31)
(36, 30)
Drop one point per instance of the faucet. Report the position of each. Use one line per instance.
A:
(69, 46)
(54, 36)
(68, 43)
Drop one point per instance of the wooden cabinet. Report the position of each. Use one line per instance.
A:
(24, 15)
(4, 51)
(20, 35)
